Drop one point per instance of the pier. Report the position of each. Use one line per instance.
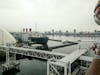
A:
(63, 45)
(27, 52)
(33, 53)
(71, 64)
(57, 63)
(55, 40)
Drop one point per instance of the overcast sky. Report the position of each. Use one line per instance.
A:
(48, 14)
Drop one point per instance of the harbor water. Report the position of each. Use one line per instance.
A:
(39, 67)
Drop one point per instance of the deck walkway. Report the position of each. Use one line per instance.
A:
(73, 56)
(34, 53)
(86, 58)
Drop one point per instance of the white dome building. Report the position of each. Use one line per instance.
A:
(6, 37)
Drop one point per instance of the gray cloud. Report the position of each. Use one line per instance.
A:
(48, 14)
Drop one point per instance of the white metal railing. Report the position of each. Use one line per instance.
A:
(54, 67)
(33, 53)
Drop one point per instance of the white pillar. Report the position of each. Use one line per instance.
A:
(7, 54)
(65, 68)
(69, 68)
(48, 62)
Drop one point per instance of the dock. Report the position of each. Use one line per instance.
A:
(73, 56)
(86, 58)
(71, 64)
(33, 53)
(55, 40)
(57, 63)
(68, 43)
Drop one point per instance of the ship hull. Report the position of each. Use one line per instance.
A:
(39, 40)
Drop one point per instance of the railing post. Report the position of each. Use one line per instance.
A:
(65, 69)
(69, 68)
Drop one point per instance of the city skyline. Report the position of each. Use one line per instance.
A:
(47, 15)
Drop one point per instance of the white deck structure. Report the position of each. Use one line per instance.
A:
(86, 58)
(33, 52)
(27, 52)
(58, 63)
(73, 56)
(66, 63)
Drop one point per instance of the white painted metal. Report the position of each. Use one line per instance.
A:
(69, 68)
(48, 69)
(52, 65)
(10, 63)
(7, 55)
(67, 61)
(65, 68)
(59, 59)
(33, 53)
(73, 56)
(86, 58)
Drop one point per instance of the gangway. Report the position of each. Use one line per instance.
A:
(86, 58)
(73, 56)
(63, 66)
(27, 52)
(33, 53)
(58, 63)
